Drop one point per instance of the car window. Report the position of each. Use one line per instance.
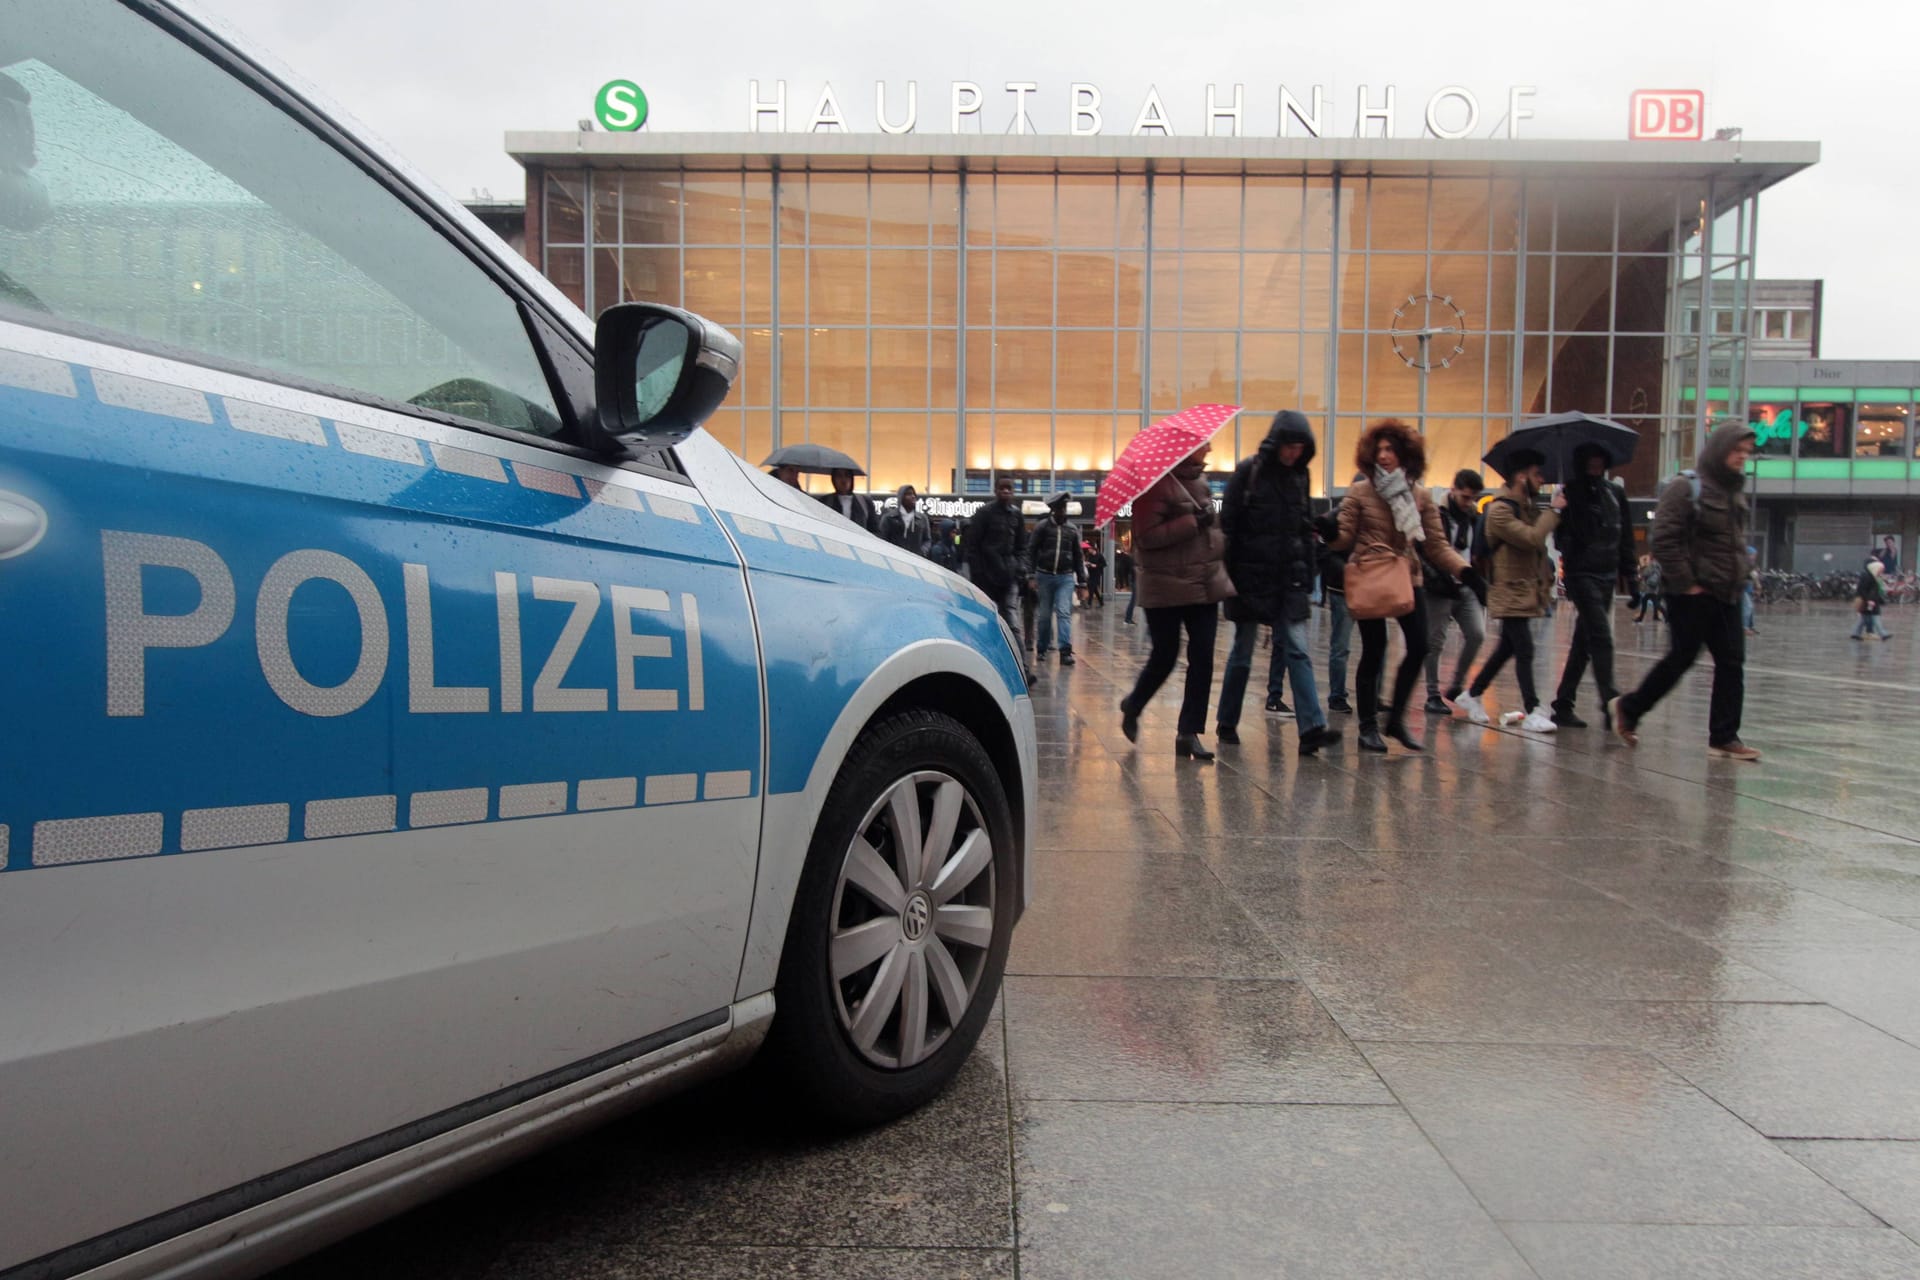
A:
(146, 192)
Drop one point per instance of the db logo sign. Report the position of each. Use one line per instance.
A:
(1670, 115)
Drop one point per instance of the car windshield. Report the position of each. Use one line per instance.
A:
(146, 192)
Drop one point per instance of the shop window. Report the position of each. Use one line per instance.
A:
(1774, 427)
(1880, 431)
(1827, 430)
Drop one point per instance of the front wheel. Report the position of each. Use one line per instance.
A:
(901, 924)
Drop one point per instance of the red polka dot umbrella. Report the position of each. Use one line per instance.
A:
(1156, 451)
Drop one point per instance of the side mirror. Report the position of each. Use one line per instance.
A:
(658, 372)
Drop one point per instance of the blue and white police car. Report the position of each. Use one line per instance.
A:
(421, 739)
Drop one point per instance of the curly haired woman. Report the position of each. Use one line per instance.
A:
(1387, 508)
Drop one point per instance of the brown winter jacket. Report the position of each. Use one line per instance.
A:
(1176, 561)
(1367, 521)
(1517, 532)
(1704, 544)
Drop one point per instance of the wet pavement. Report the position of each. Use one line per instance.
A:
(1516, 1006)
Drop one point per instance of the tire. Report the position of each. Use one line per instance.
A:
(919, 933)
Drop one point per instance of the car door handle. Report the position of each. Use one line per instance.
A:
(23, 522)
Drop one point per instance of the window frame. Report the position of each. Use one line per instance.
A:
(541, 324)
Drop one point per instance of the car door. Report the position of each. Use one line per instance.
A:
(372, 755)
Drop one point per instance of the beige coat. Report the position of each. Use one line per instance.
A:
(1176, 560)
(1522, 583)
(1367, 521)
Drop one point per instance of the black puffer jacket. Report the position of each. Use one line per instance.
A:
(1055, 548)
(996, 546)
(1269, 526)
(1595, 538)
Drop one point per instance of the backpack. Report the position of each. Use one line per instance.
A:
(1481, 556)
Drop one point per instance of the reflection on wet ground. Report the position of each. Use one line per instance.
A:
(1516, 1006)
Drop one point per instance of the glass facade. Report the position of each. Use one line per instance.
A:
(948, 327)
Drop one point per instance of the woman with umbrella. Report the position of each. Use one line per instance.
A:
(1180, 578)
(1387, 511)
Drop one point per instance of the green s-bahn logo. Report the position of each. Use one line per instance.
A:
(621, 106)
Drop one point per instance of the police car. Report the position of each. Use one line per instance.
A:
(420, 738)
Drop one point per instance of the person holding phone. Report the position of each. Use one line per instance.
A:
(1521, 585)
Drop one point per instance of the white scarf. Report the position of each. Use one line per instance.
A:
(1393, 486)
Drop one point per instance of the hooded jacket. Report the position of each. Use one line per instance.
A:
(1178, 560)
(1704, 543)
(1268, 521)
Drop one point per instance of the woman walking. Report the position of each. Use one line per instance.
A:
(1388, 511)
(1522, 590)
(1868, 597)
(1180, 578)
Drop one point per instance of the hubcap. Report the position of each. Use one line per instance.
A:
(912, 920)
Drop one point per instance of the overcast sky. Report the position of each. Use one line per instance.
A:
(443, 82)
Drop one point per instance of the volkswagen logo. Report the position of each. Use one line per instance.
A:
(918, 916)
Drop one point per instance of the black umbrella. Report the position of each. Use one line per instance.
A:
(1555, 438)
(816, 458)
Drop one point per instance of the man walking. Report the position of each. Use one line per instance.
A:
(996, 549)
(1450, 601)
(1700, 538)
(856, 507)
(1058, 568)
(906, 526)
(1596, 559)
(1333, 590)
(1269, 526)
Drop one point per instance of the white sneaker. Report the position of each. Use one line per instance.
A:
(1472, 708)
(1537, 723)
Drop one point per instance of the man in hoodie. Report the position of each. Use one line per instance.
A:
(1700, 540)
(1596, 559)
(1058, 568)
(906, 525)
(1270, 553)
(996, 551)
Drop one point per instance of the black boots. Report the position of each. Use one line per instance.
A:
(1315, 738)
(1129, 721)
(1398, 731)
(1370, 739)
(1187, 746)
(1227, 733)
(1066, 655)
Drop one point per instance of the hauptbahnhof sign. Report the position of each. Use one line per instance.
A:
(1452, 112)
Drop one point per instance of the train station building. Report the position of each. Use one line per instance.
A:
(951, 308)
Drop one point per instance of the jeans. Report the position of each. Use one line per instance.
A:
(1465, 610)
(1516, 642)
(1373, 657)
(1592, 600)
(1056, 603)
(1201, 622)
(1870, 625)
(1696, 621)
(1289, 658)
(1133, 598)
(1746, 608)
(1339, 643)
(1651, 600)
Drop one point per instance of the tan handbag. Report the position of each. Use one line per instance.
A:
(1378, 584)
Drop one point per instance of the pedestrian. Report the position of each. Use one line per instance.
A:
(944, 549)
(1096, 574)
(1123, 575)
(996, 549)
(1388, 512)
(1267, 517)
(1180, 578)
(1699, 538)
(1868, 597)
(1650, 597)
(1889, 557)
(1059, 567)
(1333, 594)
(856, 507)
(788, 474)
(1746, 594)
(1447, 600)
(906, 526)
(1595, 540)
(1520, 585)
